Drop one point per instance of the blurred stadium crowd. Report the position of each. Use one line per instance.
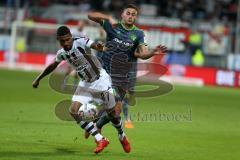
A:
(225, 10)
(196, 32)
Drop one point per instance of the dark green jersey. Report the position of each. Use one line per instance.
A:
(119, 60)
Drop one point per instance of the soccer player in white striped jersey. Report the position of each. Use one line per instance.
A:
(76, 33)
(92, 75)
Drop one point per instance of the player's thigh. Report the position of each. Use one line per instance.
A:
(82, 96)
(104, 86)
(74, 107)
(103, 83)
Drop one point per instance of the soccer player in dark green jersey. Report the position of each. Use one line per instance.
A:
(125, 43)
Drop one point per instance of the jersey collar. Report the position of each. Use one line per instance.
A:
(128, 29)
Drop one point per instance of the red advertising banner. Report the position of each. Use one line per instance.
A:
(238, 79)
(1, 56)
(208, 75)
(31, 58)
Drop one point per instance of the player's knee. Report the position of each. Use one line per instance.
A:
(74, 107)
(115, 119)
(112, 114)
(117, 108)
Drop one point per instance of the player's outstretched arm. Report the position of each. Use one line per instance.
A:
(144, 53)
(46, 71)
(100, 17)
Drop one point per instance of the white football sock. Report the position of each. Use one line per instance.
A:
(98, 137)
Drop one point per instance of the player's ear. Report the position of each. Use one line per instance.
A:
(122, 14)
(137, 14)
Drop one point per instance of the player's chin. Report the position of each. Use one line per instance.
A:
(66, 48)
(130, 22)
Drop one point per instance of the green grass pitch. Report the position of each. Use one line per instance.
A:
(205, 125)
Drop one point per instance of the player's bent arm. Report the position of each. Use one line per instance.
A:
(45, 72)
(144, 53)
(99, 17)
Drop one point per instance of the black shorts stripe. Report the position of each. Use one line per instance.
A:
(88, 58)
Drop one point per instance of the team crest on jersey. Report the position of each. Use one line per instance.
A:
(133, 37)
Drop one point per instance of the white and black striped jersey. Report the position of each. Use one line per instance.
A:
(87, 66)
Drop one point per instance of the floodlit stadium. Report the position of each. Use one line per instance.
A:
(120, 79)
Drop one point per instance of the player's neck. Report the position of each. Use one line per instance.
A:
(127, 26)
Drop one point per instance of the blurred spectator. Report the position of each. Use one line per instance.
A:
(78, 32)
(84, 6)
(97, 5)
(195, 44)
(195, 41)
(182, 9)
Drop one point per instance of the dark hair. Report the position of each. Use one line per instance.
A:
(131, 6)
(62, 31)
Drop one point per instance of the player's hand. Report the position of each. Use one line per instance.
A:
(35, 83)
(101, 47)
(160, 50)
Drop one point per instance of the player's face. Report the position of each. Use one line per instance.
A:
(66, 41)
(129, 16)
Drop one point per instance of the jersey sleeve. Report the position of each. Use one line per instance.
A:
(106, 25)
(141, 39)
(85, 42)
(59, 56)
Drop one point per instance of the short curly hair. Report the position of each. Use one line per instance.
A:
(62, 31)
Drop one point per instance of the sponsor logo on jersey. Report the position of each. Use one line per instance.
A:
(128, 44)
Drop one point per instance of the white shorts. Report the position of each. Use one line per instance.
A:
(99, 91)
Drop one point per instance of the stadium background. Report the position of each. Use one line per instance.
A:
(203, 65)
